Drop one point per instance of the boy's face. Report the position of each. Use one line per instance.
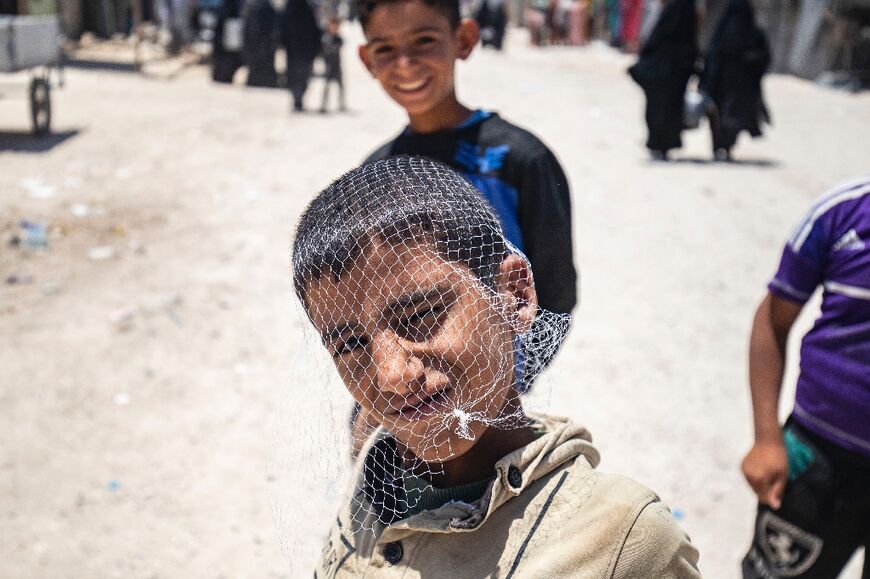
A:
(420, 342)
(411, 49)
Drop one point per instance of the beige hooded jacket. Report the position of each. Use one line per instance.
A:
(547, 514)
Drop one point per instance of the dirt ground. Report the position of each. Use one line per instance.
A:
(156, 417)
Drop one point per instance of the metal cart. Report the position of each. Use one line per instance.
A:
(32, 43)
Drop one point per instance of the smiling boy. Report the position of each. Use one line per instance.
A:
(404, 271)
(411, 49)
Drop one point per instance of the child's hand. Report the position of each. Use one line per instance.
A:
(766, 470)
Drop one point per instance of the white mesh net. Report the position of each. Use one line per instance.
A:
(431, 321)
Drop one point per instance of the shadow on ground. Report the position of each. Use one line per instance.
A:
(27, 142)
(764, 163)
(89, 64)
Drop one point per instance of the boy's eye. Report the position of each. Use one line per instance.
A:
(383, 49)
(349, 345)
(423, 314)
(421, 324)
(425, 39)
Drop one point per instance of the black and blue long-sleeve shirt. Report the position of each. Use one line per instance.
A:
(522, 180)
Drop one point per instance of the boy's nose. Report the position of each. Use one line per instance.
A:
(405, 59)
(397, 368)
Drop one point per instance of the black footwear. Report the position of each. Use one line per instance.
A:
(657, 155)
(722, 155)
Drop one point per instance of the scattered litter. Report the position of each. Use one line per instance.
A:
(72, 182)
(175, 317)
(19, 279)
(113, 485)
(37, 189)
(101, 253)
(679, 514)
(49, 288)
(80, 210)
(32, 235)
(136, 247)
(122, 173)
(123, 318)
(121, 399)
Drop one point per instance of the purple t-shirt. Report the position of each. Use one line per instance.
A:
(831, 247)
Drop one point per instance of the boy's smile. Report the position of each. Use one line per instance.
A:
(421, 343)
(411, 50)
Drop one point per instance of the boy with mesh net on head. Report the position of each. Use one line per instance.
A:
(406, 274)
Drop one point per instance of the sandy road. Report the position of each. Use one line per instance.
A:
(144, 395)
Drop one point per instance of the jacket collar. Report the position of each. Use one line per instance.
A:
(560, 442)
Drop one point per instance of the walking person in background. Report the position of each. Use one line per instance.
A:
(226, 55)
(613, 14)
(557, 17)
(666, 63)
(631, 16)
(300, 35)
(261, 42)
(492, 19)
(736, 61)
(174, 16)
(331, 51)
(811, 475)
(578, 16)
(535, 20)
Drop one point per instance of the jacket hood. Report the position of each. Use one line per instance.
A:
(560, 441)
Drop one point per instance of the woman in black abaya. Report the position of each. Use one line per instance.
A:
(260, 42)
(736, 61)
(300, 35)
(226, 60)
(492, 19)
(667, 61)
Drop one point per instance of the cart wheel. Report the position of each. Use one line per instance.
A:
(40, 106)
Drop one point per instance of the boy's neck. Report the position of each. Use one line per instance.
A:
(446, 115)
(479, 462)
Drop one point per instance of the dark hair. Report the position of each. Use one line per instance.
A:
(396, 200)
(449, 8)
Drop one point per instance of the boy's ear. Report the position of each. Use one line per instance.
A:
(467, 35)
(514, 282)
(364, 57)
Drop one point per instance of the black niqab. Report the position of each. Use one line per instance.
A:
(300, 35)
(666, 63)
(261, 41)
(736, 61)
